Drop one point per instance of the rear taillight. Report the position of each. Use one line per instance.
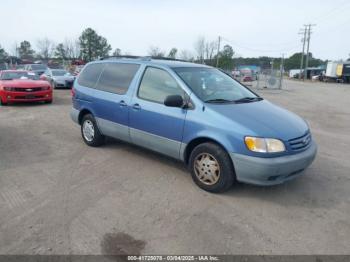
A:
(72, 91)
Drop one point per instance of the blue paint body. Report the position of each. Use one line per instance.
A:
(170, 130)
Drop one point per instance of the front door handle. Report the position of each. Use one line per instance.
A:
(136, 107)
(122, 103)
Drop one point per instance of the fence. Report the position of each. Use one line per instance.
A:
(271, 79)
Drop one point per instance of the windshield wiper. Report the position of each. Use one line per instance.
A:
(248, 99)
(218, 100)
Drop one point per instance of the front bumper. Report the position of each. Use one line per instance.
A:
(272, 171)
(63, 84)
(10, 96)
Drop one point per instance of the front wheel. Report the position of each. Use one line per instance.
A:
(211, 168)
(90, 132)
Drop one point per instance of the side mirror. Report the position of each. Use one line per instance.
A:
(174, 101)
(42, 77)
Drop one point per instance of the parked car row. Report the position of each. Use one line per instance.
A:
(33, 83)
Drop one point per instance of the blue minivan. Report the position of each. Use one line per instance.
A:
(220, 129)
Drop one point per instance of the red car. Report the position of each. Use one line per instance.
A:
(23, 86)
(247, 78)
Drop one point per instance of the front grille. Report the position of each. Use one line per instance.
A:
(300, 143)
(29, 89)
(28, 97)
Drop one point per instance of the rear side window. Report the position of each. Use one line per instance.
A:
(90, 75)
(116, 78)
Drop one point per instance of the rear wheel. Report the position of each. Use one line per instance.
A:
(211, 168)
(90, 132)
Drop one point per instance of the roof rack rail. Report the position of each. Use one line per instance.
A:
(147, 58)
(165, 58)
(120, 56)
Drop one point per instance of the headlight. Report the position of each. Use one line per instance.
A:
(264, 145)
(8, 88)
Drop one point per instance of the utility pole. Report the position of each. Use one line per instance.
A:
(217, 54)
(281, 71)
(307, 49)
(302, 54)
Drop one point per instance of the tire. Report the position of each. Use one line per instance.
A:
(94, 138)
(216, 177)
(2, 103)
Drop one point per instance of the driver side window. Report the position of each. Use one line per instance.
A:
(157, 84)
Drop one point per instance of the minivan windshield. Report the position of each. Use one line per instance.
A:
(213, 86)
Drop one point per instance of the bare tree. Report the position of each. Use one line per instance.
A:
(199, 47)
(155, 51)
(75, 48)
(14, 49)
(186, 55)
(117, 52)
(209, 49)
(45, 47)
(72, 48)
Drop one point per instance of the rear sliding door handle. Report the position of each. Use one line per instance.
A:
(136, 107)
(122, 103)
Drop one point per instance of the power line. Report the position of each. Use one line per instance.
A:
(331, 12)
(258, 50)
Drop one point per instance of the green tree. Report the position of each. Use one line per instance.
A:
(3, 54)
(92, 45)
(25, 50)
(172, 53)
(225, 57)
(61, 52)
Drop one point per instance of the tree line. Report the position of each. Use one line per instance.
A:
(91, 46)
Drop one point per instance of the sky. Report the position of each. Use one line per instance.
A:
(253, 28)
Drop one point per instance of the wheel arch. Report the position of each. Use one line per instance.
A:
(82, 114)
(197, 141)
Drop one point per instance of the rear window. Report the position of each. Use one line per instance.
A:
(39, 67)
(90, 75)
(116, 78)
(59, 72)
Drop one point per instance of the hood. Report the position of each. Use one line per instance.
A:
(262, 119)
(24, 83)
(63, 78)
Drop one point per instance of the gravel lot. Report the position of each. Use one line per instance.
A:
(59, 196)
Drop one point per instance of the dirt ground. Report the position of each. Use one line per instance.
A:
(59, 196)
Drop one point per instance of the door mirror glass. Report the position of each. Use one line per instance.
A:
(174, 101)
